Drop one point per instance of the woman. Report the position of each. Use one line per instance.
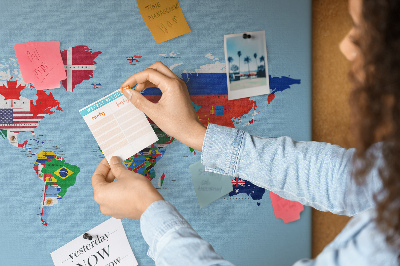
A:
(363, 183)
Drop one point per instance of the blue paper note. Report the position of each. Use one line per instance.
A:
(209, 186)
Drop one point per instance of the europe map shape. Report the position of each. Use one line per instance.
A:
(208, 92)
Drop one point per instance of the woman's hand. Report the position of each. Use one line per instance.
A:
(173, 113)
(128, 196)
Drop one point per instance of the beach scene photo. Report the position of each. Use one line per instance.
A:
(246, 64)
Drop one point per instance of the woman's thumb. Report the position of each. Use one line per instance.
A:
(138, 100)
(117, 166)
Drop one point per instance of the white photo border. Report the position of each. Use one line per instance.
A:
(247, 92)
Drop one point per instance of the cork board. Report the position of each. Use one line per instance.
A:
(331, 89)
(128, 45)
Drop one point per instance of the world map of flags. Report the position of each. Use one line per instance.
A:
(208, 93)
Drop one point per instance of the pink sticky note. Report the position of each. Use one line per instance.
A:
(41, 63)
(284, 209)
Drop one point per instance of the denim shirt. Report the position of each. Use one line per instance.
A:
(312, 173)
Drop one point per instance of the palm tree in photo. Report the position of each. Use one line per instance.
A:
(261, 68)
(230, 59)
(247, 60)
(239, 55)
(255, 60)
(262, 59)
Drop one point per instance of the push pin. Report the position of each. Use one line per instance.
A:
(246, 36)
(87, 236)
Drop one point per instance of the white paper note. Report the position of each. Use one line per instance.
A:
(109, 246)
(118, 126)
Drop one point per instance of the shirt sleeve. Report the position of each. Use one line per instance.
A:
(171, 239)
(313, 173)
(359, 243)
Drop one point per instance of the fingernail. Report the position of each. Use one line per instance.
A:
(115, 160)
(124, 88)
(127, 93)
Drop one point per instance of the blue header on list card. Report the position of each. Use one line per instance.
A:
(94, 106)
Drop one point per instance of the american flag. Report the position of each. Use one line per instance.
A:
(18, 121)
(132, 59)
(6, 116)
(238, 182)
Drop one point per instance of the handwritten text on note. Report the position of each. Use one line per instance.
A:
(164, 18)
(41, 63)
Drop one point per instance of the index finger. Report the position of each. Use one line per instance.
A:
(160, 67)
(100, 174)
(160, 80)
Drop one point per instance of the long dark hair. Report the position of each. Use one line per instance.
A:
(375, 103)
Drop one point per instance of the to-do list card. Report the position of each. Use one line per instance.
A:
(118, 126)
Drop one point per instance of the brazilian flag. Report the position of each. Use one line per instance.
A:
(65, 174)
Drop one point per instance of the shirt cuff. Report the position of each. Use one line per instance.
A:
(222, 148)
(158, 219)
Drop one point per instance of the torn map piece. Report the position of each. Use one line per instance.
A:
(287, 210)
(208, 186)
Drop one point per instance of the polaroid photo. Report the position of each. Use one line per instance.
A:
(246, 64)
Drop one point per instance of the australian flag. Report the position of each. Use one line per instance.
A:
(243, 186)
(6, 116)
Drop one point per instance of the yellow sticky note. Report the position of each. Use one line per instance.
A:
(164, 18)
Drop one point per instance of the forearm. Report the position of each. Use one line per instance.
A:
(194, 137)
(312, 173)
(172, 241)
